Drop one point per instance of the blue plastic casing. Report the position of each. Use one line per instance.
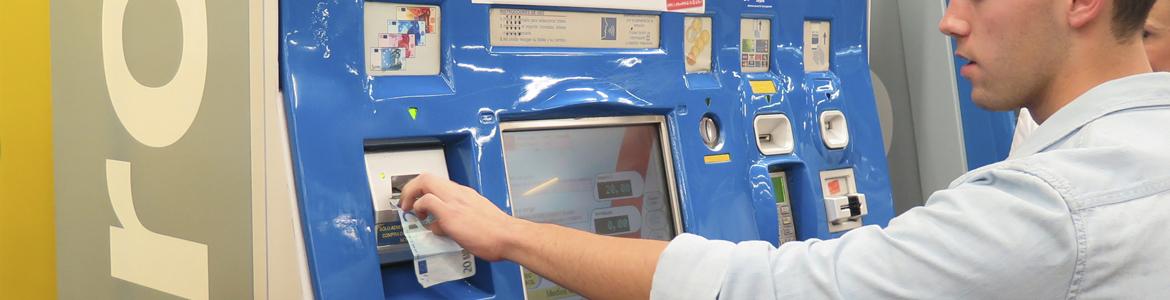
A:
(334, 108)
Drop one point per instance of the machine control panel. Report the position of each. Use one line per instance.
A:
(636, 119)
(783, 207)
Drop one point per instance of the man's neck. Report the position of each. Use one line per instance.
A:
(1089, 66)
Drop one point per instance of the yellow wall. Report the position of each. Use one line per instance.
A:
(27, 235)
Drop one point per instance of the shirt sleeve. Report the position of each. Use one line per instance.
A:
(1002, 234)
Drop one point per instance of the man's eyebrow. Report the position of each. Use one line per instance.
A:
(1156, 25)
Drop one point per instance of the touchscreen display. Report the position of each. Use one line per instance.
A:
(605, 180)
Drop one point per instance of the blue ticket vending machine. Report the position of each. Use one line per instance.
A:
(731, 120)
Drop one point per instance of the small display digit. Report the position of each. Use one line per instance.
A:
(615, 189)
(610, 225)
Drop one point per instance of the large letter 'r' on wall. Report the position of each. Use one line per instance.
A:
(172, 265)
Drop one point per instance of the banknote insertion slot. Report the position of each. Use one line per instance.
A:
(404, 243)
(388, 170)
(610, 176)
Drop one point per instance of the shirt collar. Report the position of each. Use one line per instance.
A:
(1136, 91)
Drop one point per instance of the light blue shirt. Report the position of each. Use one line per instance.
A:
(1080, 210)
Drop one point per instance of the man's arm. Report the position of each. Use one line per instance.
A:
(596, 266)
(1004, 233)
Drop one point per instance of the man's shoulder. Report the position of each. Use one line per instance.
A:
(1141, 127)
(1122, 154)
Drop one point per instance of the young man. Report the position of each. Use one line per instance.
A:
(1080, 210)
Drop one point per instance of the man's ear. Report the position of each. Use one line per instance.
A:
(1084, 12)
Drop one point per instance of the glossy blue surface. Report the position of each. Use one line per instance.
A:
(334, 107)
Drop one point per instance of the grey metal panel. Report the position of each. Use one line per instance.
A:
(888, 62)
(286, 262)
(933, 94)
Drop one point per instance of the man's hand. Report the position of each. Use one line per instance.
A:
(597, 267)
(461, 214)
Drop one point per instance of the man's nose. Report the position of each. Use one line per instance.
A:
(953, 26)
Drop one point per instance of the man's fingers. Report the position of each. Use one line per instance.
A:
(415, 189)
(429, 207)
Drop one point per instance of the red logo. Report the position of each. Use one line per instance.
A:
(683, 4)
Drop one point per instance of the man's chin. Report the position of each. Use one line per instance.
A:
(987, 102)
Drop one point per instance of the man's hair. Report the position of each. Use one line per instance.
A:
(1129, 16)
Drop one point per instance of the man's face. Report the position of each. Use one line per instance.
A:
(1157, 36)
(1016, 48)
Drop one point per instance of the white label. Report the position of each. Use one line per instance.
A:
(401, 39)
(755, 45)
(697, 44)
(540, 28)
(816, 46)
(686, 6)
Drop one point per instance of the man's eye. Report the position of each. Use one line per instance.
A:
(1146, 34)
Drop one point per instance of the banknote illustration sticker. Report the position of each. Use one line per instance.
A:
(609, 29)
(409, 33)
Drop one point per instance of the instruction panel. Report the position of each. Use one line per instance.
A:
(816, 46)
(755, 44)
(561, 29)
(684, 6)
(697, 43)
(401, 39)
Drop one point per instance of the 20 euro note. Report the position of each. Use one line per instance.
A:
(437, 259)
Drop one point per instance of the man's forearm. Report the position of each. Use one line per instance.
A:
(596, 266)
